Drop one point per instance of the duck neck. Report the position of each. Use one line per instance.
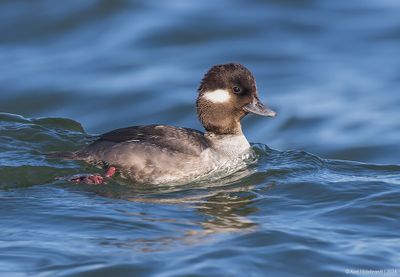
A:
(230, 144)
(221, 125)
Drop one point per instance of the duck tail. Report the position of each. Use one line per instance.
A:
(63, 155)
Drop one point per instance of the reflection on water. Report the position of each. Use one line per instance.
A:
(220, 212)
(223, 206)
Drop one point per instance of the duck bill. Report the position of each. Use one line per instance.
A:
(259, 108)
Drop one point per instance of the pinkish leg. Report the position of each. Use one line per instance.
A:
(93, 179)
(90, 179)
(110, 171)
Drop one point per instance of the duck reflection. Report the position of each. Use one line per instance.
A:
(220, 207)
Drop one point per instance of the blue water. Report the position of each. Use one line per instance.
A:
(323, 197)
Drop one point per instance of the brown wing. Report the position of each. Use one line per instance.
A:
(185, 140)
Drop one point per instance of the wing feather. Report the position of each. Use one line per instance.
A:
(184, 140)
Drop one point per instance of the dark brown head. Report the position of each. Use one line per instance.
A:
(227, 93)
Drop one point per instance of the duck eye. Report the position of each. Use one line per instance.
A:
(236, 89)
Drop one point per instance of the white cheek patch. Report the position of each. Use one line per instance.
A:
(217, 96)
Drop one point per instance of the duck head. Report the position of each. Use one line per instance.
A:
(227, 93)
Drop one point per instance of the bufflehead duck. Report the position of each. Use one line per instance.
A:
(163, 154)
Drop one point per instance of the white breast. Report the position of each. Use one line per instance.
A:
(231, 146)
